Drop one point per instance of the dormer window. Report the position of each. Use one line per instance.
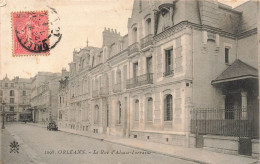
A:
(134, 34)
(166, 11)
(148, 26)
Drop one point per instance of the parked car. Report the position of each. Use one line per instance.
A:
(52, 126)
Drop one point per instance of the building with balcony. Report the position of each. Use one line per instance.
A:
(16, 95)
(44, 96)
(185, 69)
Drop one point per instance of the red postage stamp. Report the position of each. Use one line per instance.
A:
(30, 33)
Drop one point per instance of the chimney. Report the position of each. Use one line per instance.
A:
(110, 36)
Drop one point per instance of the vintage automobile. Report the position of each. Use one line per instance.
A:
(52, 126)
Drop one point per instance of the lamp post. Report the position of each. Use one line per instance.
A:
(3, 115)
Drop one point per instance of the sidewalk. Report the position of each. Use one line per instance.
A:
(190, 154)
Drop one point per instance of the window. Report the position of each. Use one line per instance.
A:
(168, 62)
(168, 108)
(137, 110)
(96, 118)
(60, 99)
(6, 84)
(1, 93)
(24, 93)
(134, 35)
(118, 76)
(148, 26)
(135, 72)
(227, 55)
(119, 112)
(11, 108)
(149, 65)
(107, 115)
(11, 92)
(150, 109)
(11, 100)
(60, 115)
(12, 84)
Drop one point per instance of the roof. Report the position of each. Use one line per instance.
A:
(237, 71)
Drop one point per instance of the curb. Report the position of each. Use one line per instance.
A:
(140, 148)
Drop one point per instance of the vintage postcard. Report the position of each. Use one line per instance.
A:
(129, 81)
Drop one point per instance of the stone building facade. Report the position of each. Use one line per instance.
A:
(177, 56)
(16, 95)
(44, 97)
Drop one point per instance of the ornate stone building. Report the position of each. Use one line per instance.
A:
(44, 97)
(177, 56)
(16, 95)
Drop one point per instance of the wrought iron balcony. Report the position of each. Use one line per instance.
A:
(147, 41)
(139, 80)
(95, 93)
(133, 48)
(104, 91)
(117, 88)
(168, 72)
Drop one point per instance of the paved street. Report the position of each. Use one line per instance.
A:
(37, 145)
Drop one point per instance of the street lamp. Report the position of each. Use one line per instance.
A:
(3, 115)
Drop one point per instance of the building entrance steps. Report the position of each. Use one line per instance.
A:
(197, 155)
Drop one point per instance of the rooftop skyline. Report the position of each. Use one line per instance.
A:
(79, 21)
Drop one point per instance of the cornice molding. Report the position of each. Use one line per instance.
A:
(185, 24)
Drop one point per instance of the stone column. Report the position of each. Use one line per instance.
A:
(223, 106)
(244, 105)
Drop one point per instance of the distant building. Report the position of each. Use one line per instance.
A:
(16, 94)
(63, 100)
(185, 74)
(44, 97)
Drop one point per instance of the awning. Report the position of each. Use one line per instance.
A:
(237, 71)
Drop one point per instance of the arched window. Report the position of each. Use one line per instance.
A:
(134, 34)
(96, 117)
(136, 110)
(150, 109)
(119, 112)
(148, 26)
(11, 92)
(168, 108)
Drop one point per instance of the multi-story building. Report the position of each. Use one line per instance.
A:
(15, 94)
(44, 97)
(178, 58)
(63, 96)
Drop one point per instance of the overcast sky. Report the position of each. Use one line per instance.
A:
(79, 20)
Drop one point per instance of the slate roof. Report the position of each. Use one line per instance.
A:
(237, 70)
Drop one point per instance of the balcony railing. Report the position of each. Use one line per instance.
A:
(104, 91)
(133, 48)
(117, 88)
(147, 41)
(168, 72)
(95, 93)
(139, 80)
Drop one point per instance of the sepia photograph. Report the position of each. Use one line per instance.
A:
(129, 81)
